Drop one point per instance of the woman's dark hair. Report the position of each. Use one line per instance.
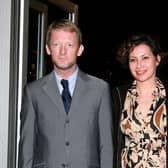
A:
(133, 41)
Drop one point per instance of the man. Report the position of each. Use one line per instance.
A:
(53, 136)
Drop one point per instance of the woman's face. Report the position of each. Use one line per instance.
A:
(143, 63)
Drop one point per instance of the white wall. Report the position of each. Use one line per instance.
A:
(5, 14)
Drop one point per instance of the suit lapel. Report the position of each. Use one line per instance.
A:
(79, 91)
(51, 89)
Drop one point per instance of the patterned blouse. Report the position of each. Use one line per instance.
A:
(145, 139)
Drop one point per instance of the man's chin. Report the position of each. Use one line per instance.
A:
(64, 68)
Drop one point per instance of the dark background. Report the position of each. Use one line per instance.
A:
(106, 24)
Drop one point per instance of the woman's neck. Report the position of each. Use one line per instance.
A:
(146, 88)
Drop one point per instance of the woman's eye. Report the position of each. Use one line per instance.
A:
(132, 60)
(146, 57)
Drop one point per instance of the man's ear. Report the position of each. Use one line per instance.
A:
(48, 49)
(80, 50)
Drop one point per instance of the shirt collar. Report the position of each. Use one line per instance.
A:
(71, 80)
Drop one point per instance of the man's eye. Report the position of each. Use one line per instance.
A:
(69, 44)
(55, 44)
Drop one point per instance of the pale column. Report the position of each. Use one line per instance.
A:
(5, 14)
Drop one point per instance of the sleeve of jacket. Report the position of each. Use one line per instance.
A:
(105, 129)
(27, 131)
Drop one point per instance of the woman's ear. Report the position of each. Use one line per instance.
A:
(158, 59)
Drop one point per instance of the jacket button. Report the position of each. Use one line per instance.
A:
(67, 121)
(65, 165)
(67, 143)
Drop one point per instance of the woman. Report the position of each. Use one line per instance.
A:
(141, 107)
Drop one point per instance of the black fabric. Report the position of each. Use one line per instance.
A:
(118, 97)
(66, 97)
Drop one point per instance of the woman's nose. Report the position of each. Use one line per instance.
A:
(138, 63)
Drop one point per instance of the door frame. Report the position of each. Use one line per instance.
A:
(18, 65)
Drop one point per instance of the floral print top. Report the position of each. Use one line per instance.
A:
(145, 139)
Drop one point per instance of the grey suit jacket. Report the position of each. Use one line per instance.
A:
(50, 138)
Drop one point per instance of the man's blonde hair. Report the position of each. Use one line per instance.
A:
(63, 24)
